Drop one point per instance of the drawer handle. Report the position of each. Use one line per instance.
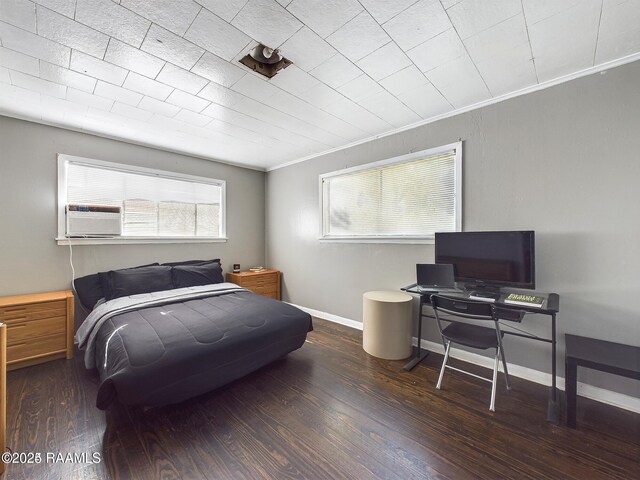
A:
(15, 309)
(20, 317)
(18, 325)
(17, 344)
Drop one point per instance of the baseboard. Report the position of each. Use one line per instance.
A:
(619, 400)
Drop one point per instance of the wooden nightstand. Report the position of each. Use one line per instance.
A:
(39, 327)
(265, 283)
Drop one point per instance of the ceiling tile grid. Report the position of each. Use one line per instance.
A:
(166, 72)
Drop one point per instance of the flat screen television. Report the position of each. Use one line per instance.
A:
(489, 259)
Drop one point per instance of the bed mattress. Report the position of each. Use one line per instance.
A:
(162, 351)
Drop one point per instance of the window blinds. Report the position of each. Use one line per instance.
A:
(414, 198)
(153, 205)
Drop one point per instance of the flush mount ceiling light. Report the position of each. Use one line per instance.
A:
(264, 60)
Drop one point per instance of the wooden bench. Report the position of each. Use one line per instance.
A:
(600, 355)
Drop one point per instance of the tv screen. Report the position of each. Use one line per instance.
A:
(493, 258)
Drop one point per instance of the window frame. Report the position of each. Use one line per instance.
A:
(62, 239)
(410, 157)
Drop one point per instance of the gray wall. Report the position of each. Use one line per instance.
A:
(31, 260)
(563, 162)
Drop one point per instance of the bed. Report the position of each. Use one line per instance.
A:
(160, 334)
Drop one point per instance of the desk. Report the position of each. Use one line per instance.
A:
(550, 307)
(600, 355)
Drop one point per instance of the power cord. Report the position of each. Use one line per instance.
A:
(73, 277)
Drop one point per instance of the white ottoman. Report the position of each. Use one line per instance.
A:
(386, 324)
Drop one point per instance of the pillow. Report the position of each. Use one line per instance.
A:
(191, 262)
(105, 279)
(89, 290)
(139, 280)
(194, 275)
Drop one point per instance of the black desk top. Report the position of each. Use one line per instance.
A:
(550, 306)
(610, 354)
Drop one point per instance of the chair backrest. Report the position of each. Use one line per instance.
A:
(462, 308)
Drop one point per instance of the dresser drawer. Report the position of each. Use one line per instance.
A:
(37, 346)
(33, 311)
(264, 289)
(18, 332)
(260, 280)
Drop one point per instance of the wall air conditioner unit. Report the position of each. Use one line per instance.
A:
(93, 221)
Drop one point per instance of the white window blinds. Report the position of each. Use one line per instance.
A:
(153, 204)
(413, 198)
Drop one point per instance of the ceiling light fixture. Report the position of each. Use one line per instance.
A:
(265, 60)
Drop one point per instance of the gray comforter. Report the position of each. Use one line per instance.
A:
(164, 347)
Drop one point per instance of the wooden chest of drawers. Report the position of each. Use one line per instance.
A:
(265, 283)
(39, 327)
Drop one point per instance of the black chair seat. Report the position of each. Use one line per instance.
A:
(471, 335)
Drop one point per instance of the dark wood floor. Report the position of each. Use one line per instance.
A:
(326, 411)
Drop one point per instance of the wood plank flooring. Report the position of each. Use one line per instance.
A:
(326, 411)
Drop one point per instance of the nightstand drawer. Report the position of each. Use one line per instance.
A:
(264, 289)
(34, 311)
(35, 347)
(260, 280)
(18, 332)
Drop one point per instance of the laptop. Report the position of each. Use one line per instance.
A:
(435, 277)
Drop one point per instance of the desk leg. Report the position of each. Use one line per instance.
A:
(553, 409)
(571, 390)
(420, 354)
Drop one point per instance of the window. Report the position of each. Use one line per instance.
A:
(156, 205)
(401, 199)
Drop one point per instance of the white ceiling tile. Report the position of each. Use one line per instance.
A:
(306, 49)
(83, 98)
(165, 122)
(130, 112)
(63, 76)
(119, 94)
(179, 78)
(501, 38)
(57, 108)
(384, 10)
(451, 3)
(36, 84)
(267, 22)
(218, 70)
(193, 118)
(321, 95)
(112, 19)
(459, 82)
(225, 10)
(576, 30)
(358, 116)
(146, 86)
(131, 58)
(63, 30)
(33, 45)
(384, 62)
(537, 10)
(83, 63)
(19, 98)
(418, 23)
(325, 17)
(509, 70)
(168, 46)
(336, 71)
(359, 37)
(619, 30)
(188, 101)
(18, 61)
(156, 106)
(390, 109)
(21, 13)
(426, 101)
(216, 35)
(359, 88)
(174, 15)
(474, 16)
(4, 75)
(294, 80)
(438, 50)
(221, 95)
(64, 7)
(409, 78)
(284, 3)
